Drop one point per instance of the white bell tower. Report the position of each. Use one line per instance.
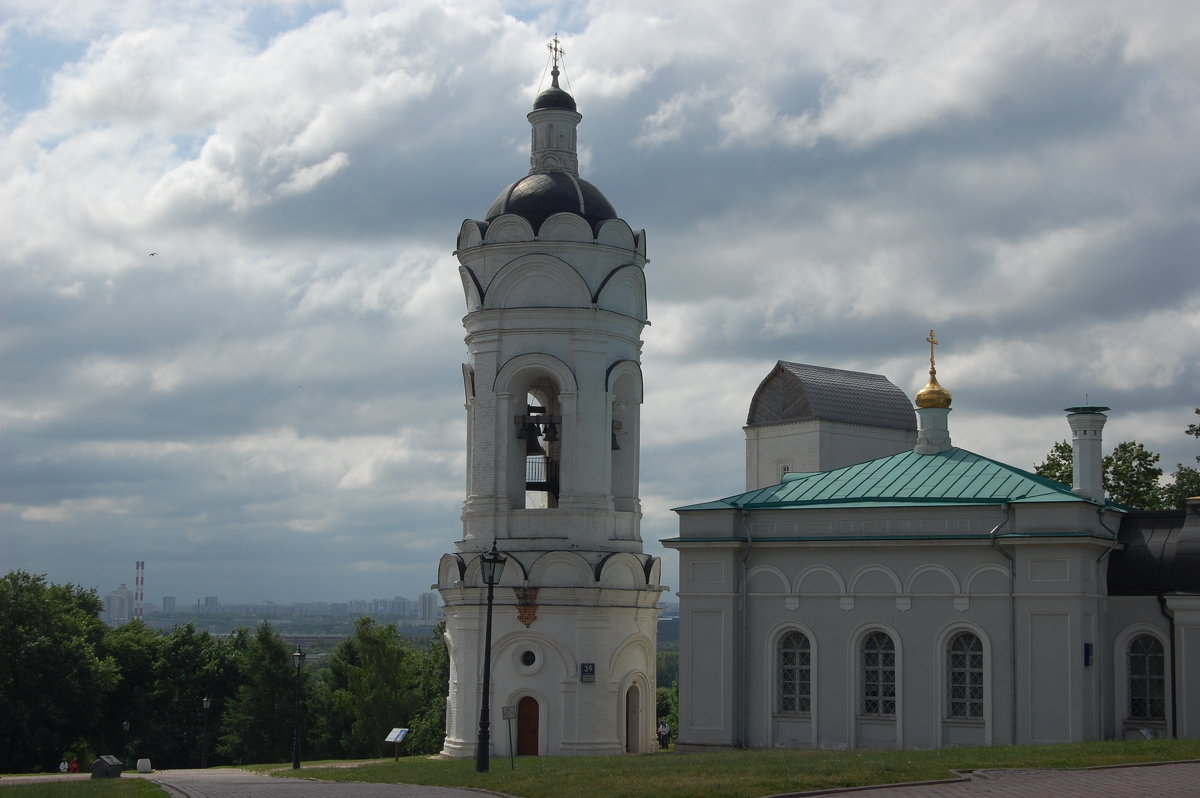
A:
(556, 303)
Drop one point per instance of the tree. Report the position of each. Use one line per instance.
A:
(1057, 465)
(133, 648)
(53, 680)
(427, 730)
(1130, 474)
(666, 706)
(190, 666)
(257, 723)
(1186, 480)
(370, 688)
(1132, 478)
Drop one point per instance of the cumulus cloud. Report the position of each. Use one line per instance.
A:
(230, 328)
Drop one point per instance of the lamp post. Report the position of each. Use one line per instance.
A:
(298, 658)
(207, 702)
(491, 566)
(125, 744)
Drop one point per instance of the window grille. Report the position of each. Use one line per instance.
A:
(964, 669)
(1146, 668)
(793, 660)
(878, 675)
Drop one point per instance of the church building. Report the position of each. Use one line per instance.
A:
(876, 587)
(556, 303)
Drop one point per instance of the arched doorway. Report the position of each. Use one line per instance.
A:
(527, 726)
(633, 720)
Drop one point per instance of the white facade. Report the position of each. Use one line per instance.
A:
(935, 597)
(556, 302)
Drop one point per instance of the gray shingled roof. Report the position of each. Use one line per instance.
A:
(800, 392)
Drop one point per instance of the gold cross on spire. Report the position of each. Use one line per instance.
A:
(555, 48)
(933, 341)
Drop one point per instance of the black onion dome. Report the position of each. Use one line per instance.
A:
(554, 97)
(538, 196)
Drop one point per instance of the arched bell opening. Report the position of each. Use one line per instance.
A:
(538, 432)
(625, 393)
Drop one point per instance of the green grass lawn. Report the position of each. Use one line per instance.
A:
(737, 774)
(85, 788)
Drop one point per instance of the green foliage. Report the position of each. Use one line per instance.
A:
(1130, 474)
(1185, 485)
(1186, 482)
(1057, 465)
(53, 679)
(1132, 478)
(666, 707)
(427, 729)
(369, 689)
(92, 788)
(667, 665)
(189, 665)
(258, 721)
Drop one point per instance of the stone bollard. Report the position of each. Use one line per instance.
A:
(143, 765)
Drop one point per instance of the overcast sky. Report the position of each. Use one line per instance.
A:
(230, 319)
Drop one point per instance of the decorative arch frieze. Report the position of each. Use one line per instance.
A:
(624, 380)
(507, 643)
(868, 570)
(951, 580)
(514, 574)
(979, 574)
(566, 226)
(561, 569)
(621, 569)
(471, 234)
(517, 374)
(616, 233)
(537, 281)
(508, 228)
(772, 577)
(812, 572)
(452, 568)
(623, 291)
(472, 290)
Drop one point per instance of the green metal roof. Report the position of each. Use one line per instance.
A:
(954, 476)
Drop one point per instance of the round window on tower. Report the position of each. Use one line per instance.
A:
(527, 659)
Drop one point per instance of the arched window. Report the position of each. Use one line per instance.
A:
(1146, 669)
(964, 672)
(793, 659)
(878, 675)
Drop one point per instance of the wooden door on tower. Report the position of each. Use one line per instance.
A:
(527, 727)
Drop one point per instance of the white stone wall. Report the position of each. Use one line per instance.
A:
(816, 445)
(947, 577)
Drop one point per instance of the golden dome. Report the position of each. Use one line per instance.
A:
(933, 394)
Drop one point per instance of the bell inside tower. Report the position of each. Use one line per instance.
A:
(539, 429)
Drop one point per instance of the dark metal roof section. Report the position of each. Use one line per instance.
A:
(1161, 553)
(540, 195)
(554, 97)
(798, 392)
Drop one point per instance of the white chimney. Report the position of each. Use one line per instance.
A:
(1087, 456)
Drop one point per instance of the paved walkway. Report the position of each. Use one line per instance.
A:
(234, 783)
(1172, 780)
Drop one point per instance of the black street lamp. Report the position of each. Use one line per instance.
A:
(298, 658)
(491, 566)
(207, 702)
(125, 744)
